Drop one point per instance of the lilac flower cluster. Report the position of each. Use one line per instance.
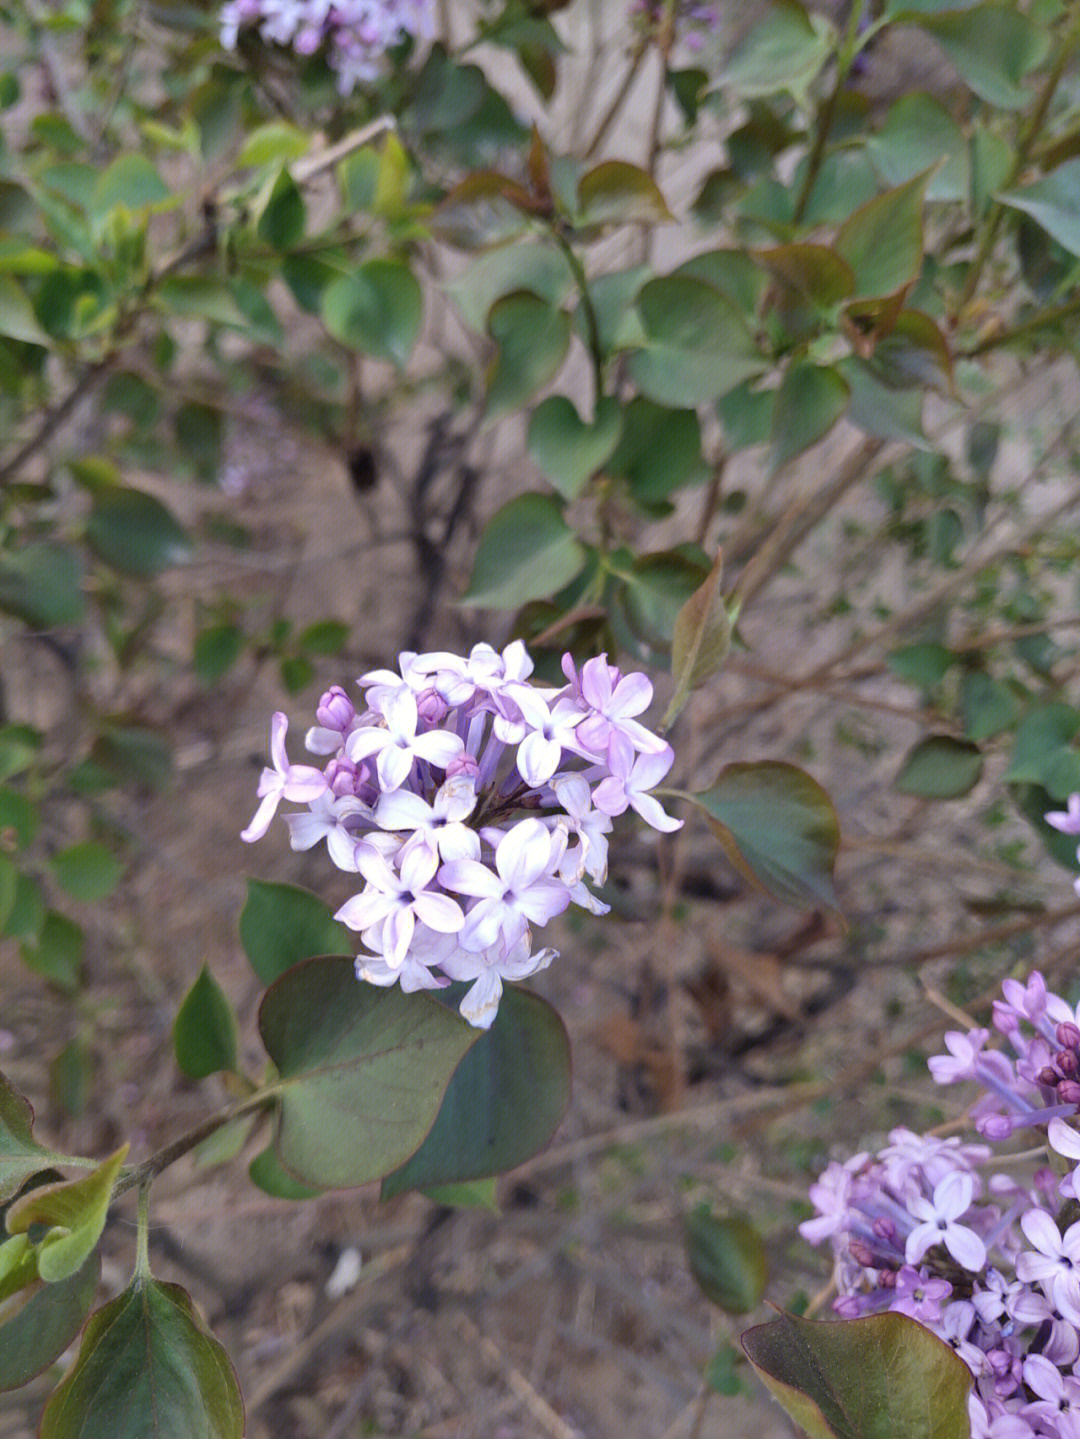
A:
(357, 32)
(472, 803)
(931, 1228)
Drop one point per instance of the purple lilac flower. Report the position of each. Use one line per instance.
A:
(474, 807)
(356, 33)
(990, 1261)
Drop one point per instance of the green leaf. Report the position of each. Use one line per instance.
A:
(746, 415)
(924, 665)
(377, 310)
(197, 297)
(474, 1194)
(27, 914)
(810, 400)
(660, 450)
(324, 637)
(993, 46)
(940, 767)
(71, 1073)
(504, 1103)
(533, 337)
(58, 952)
(362, 1071)
(567, 448)
(135, 533)
(1043, 734)
(721, 1373)
(282, 222)
(266, 1173)
(699, 642)
(200, 433)
(727, 1258)
(527, 552)
(919, 134)
(785, 51)
(41, 584)
(814, 272)
(656, 589)
(883, 240)
(275, 143)
(19, 817)
(73, 1210)
(20, 1153)
(1053, 201)
(880, 410)
(778, 827)
(617, 323)
(9, 888)
(281, 924)
(617, 193)
(992, 162)
(535, 266)
(216, 651)
(987, 706)
(147, 1368)
(697, 344)
(204, 1033)
(17, 318)
(87, 871)
(130, 180)
(39, 1332)
(132, 754)
(863, 1378)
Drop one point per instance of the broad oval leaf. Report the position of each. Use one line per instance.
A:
(504, 1103)
(377, 310)
(20, 1153)
(282, 924)
(362, 1071)
(204, 1033)
(993, 46)
(778, 827)
(41, 584)
(527, 552)
(74, 1211)
(1053, 201)
(567, 448)
(38, 1332)
(814, 272)
(810, 400)
(697, 343)
(88, 871)
(266, 1173)
(148, 1368)
(863, 1378)
(534, 266)
(533, 336)
(785, 51)
(56, 951)
(883, 240)
(727, 1257)
(940, 767)
(659, 452)
(618, 193)
(919, 133)
(135, 533)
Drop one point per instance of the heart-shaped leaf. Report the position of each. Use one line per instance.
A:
(697, 344)
(39, 1332)
(74, 1212)
(569, 450)
(362, 1071)
(134, 532)
(377, 310)
(281, 924)
(863, 1378)
(204, 1033)
(148, 1368)
(618, 193)
(527, 552)
(504, 1102)
(778, 827)
(533, 336)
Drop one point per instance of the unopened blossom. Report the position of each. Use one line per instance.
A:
(463, 797)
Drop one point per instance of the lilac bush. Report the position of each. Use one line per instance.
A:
(472, 804)
(983, 1250)
(356, 33)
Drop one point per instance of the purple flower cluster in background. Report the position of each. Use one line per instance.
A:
(987, 1256)
(356, 32)
(472, 803)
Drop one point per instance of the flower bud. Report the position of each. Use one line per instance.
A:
(862, 1253)
(887, 1279)
(1048, 1077)
(335, 710)
(1068, 1035)
(1067, 1062)
(885, 1228)
(1069, 1091)
(431, 706)
(465, 764)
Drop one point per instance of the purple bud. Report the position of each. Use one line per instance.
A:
(1048, 1077)
(1069, 1091)
(885, 1228)
(465, 764)
(1068, 1035)
(862, 1253)
(1067, 1063)
(431, 706)
(887, 1279)
(995, 1126)
(343, 775)
(335, 710)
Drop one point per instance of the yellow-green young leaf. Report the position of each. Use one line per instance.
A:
(617, 193)
(474, 1194)
(527, 552)
(362, 1071)
(37, 1333)
(20, 1153)
(727, 1258)
(74, 1211)
(265, 1171)
(130, 181)
(700, 640)
(275, 143)
(204, 1034)
(882, 241)
(17, 318)
(148, 1368)
(863, 1378)
(18, 1265)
